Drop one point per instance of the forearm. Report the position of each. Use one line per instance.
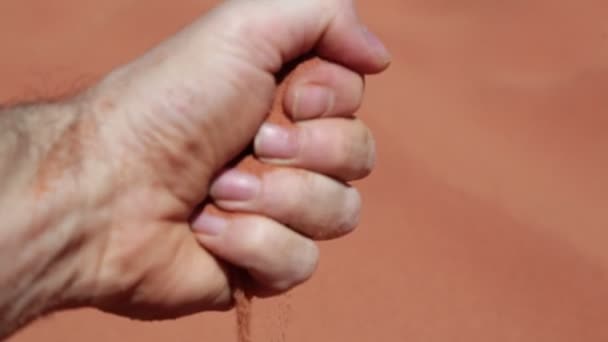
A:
(39, 236)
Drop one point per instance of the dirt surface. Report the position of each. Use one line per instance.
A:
(487, 217)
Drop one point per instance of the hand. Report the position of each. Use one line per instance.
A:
(311, 203)
(150, 138)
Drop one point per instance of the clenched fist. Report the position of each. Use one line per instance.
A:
(99, 193)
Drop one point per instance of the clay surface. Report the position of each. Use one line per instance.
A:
(486, 219)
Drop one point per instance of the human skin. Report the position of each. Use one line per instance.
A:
(99, 191)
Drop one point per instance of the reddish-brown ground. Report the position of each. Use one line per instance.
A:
(487, 219)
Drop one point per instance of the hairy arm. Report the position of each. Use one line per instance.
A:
(97, 192)
(39, 228)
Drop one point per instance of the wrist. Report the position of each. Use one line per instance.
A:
(48, 213)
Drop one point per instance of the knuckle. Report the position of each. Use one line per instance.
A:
(355, 153)
(360, 90)
(309, 260)
(289, 208)
(253, 238)
(312, 255)
(343, 218)
(343, 154)
(369, 159)
(352, 88)
(304, 263)
(351, 214)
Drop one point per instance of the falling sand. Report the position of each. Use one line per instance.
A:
(277, 115)
(242, 300)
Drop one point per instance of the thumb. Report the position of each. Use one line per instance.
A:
(272, 32)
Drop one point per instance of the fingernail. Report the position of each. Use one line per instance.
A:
(235, 185)
(312, 101)
(276, 142)
(376, 44)
(209, 225)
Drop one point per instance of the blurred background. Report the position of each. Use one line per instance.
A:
(487, 218)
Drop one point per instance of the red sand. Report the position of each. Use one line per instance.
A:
(277, 116)
(250, 164)
(486, 219)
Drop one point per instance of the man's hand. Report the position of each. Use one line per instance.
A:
(106, 193)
